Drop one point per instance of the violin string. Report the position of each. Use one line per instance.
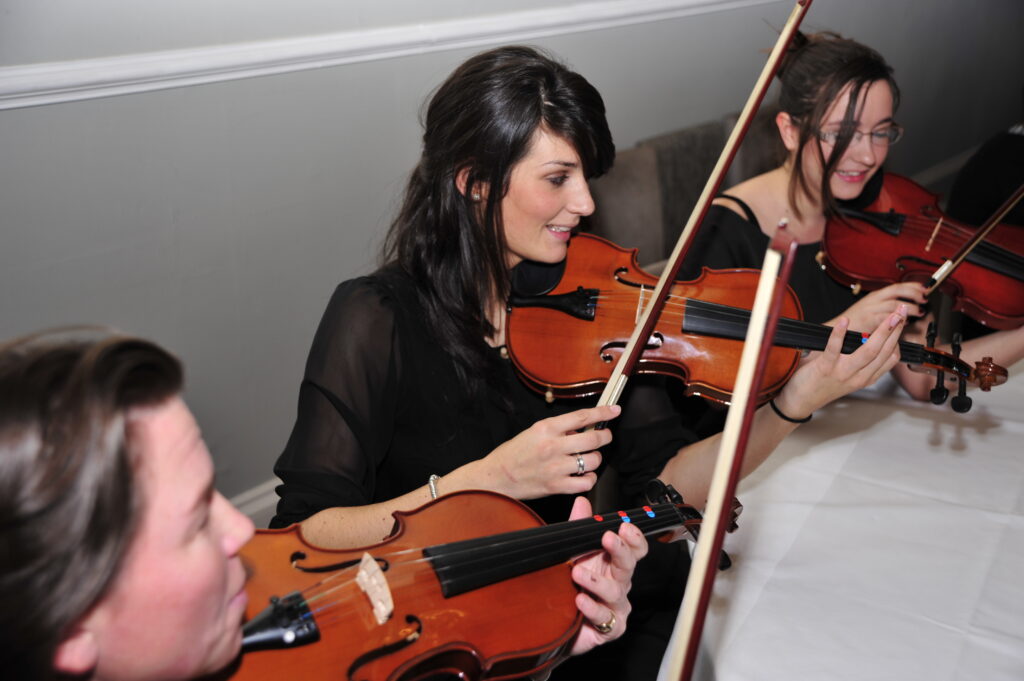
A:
(584, 538)
(576, 537)
(953, 237)
(623, 304)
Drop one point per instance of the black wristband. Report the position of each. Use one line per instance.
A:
(778, 412)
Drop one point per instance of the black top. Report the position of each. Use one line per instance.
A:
(380, 410)
(727, 240)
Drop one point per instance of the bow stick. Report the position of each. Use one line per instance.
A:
(681, 657)
(631, 353)
(953, 262)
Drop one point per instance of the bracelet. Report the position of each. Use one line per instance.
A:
(432, 484)
(778, 412)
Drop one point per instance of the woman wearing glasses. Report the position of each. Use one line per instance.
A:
(836, 122)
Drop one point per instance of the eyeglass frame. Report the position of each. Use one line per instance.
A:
(890, 135)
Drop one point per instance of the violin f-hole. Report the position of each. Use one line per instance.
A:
(409, 636)
(332, 567)
(656, 341)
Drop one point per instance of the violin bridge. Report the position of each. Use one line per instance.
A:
(374, 584)
(935, 233)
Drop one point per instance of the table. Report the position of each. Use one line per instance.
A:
(883, 540)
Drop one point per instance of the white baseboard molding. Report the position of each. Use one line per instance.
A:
(70, 81)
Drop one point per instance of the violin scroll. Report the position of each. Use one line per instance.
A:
(987, 374)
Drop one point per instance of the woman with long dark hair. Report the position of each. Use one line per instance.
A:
(407, 393)
(837, 104)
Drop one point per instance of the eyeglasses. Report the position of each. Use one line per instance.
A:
(880, 137)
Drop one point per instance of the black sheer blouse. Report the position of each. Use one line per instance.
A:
(381, 409)
(726, 240)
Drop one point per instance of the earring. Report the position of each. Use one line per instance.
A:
(476, 196)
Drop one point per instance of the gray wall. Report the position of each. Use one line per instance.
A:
(218, 218)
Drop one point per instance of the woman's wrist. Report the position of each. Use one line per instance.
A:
(786, 417)
(785, 410)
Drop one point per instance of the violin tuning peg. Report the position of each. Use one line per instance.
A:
(939, 393)
(961, 403)
(549, 396)
(657, 492)
(955, 344)
(931, 334)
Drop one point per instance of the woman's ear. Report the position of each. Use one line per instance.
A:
(479, 190)
(78, 653)
(789, 131)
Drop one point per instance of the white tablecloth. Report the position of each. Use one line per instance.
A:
(883, 540)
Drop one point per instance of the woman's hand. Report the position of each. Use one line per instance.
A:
(549, 457)
(605, 578)
(872, 309)
(828, 375)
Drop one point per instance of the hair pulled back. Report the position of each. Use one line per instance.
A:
(813, 74)
(480, 122)
(69, 504)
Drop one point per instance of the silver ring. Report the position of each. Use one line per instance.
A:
(581, 466)
(606, 627)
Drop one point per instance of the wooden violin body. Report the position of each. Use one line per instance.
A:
(468, 634)
(567, 342)
(903, 236)
(479, 588)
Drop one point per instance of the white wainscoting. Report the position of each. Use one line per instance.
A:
(69, 81)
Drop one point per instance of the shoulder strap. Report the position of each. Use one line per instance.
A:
(747, 213)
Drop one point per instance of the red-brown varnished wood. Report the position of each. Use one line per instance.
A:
(858, 253)
(572, 357)
(506, 630)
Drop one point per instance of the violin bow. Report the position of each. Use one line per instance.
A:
(681, 656)
(649, 317)
(954, 261)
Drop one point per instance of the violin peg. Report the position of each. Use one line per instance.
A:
(938, 394)
(931, 334)
(961, 403)
(955, 344)
(549, 396)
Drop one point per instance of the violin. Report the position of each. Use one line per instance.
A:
(564, 343)
(902, 235)
(471, 584)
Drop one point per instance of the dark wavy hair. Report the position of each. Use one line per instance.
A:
(68, 500)
(813, 74)
(481, 121)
